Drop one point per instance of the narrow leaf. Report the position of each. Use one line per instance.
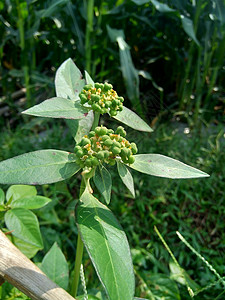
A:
(68, 80)
(103, 182)
(88, 78)
(107, 246)
(38, 167)
(132, 120)
(55, 266)
(163, 166)
(126, 177)
(58, 108)
(15, 192)
(189, 28)
(24, 225)
(164, 8)
(32, 202)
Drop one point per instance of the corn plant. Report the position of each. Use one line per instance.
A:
(81, 102)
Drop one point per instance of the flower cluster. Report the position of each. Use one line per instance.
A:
(104, 146)
(102, 98)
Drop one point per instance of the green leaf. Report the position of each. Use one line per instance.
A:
(81, 127)
(132, 120)
(38, 167)
(107, 246)
(32, 202)
(103, 182)
(58, 108)
(2, 197)
(24, 225)
(55, 266)
(126, 177)
(88, 78)
(26, 248)
(15, 192)
(219, 10)
(189, 28)
(68, 81)
(164, 8)
(163, 166)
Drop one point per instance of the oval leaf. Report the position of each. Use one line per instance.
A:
(24, 225)
(38, 167)
(163, 166)
(103, 182)
(55, 266)
(132, 120)
(31, 202)
(2, 197)
(107, 246)
(68, 80)
(58, 108)
(26, 248)
(126, 177)
(15, 192)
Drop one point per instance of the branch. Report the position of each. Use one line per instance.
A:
(18, 270)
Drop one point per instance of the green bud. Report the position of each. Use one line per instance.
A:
(134, 148)
(107, 86)
(107, 104)
(83, 99)
(100, 155)
(106, 154)
(120, 107)
(108, 142)
(88, 162)
(105, 137)
(97, 85)
(79, 153)
(90, 102)
(91, 134)
(121, 99)
(96, 107)
(116, 144)
(131, 159)
(85, 141)
(113, 113)
(116, 150)
(125, 152)
(87, 87)
(110, 131)
(112, 162)
(95, 161)
(77, 148)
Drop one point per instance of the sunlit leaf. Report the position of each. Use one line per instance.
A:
(132, 120)
(58, 108)
(88, 78)
(126, 177)
(107, 246)
(32, 202)
(24, 224)
(38, 167)
(15, 192)
(163, 166)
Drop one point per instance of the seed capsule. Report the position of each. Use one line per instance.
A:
(116, 150)
(131, 159)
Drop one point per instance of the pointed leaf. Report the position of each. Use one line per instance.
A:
(107, 246)
(24, 225)
(2, 197)
(58, 108)
(126, 177)
(15, 192)
(38, 167)
(132, 120)
(32, 202)
(26, 248)
(84, 126)
(55, 266)
(103, 182)
(163, 166)
(164, 8)
(189, 28)
(68, 80)
(88, 78)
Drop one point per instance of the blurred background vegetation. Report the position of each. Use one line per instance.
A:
(167, 59)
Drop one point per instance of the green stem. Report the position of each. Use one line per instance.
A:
(96, 120)
(78, 261)
(89, 30)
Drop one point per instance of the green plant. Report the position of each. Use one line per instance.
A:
(96, 146)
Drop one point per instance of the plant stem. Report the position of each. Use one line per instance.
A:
(78, 261)
(96, 120)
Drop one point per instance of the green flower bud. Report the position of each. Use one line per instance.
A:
(85, 141)
(79, 153)
(107, 86)
(95, 161)
(134, 148)
(87, 87)
(121, 99)
(107, 104)
(91, 134)
(95, 98)
(90, 102)
(131, 159)
(116, 144)
(106, 154)
(112, 162)
(125, 152)
(105, 137)
(96, 107)
(108, 142)
(83, 99)
(120, 107)
(113, 113)
(88, 162)
(100, 155)
(110, 131)
(77, 148)
(116, 150)
(97, 85)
